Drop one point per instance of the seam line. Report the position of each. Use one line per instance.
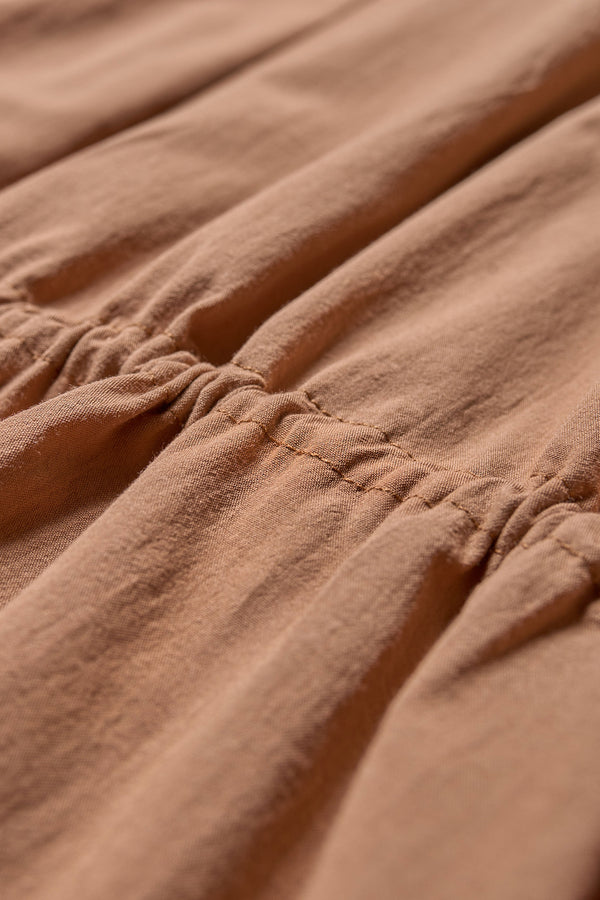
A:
(568, 549)
(381, 431)
(340, 473)
(398, 497)
(386, 437)
(438, 466)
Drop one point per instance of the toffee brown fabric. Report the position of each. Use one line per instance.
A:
(300, 450)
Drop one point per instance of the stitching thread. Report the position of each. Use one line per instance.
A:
(249, 369)
(146, 330)
(296, 450)
(526, 545)
(548, 476)
(567, 547)
(365, 489)
(357, 484)
(569, 497)
(96, 323)
(393, 443)
(386, 437)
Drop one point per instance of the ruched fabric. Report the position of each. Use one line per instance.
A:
(300, 450)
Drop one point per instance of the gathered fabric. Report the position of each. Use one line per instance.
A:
(300, 450)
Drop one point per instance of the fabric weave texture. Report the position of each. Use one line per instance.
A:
(300, 450)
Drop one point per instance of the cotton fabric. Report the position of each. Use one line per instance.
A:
(299, 450)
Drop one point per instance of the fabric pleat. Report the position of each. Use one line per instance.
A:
(299, 450)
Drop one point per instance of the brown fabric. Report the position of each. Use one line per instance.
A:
(300, 450)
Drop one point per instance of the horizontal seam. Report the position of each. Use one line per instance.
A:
(249, 369)
(339, 472)
(526, 545)
(377, 428)
(550, 475)
(567, 547)
(91, 323)
(387, 438)
(393, 443)
(152, 334)
(439, 466)
(568, 497)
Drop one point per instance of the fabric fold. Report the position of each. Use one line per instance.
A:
(299, 450)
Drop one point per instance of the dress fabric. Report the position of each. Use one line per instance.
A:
(300, 450)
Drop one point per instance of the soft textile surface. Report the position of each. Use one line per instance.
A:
(300, 450)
